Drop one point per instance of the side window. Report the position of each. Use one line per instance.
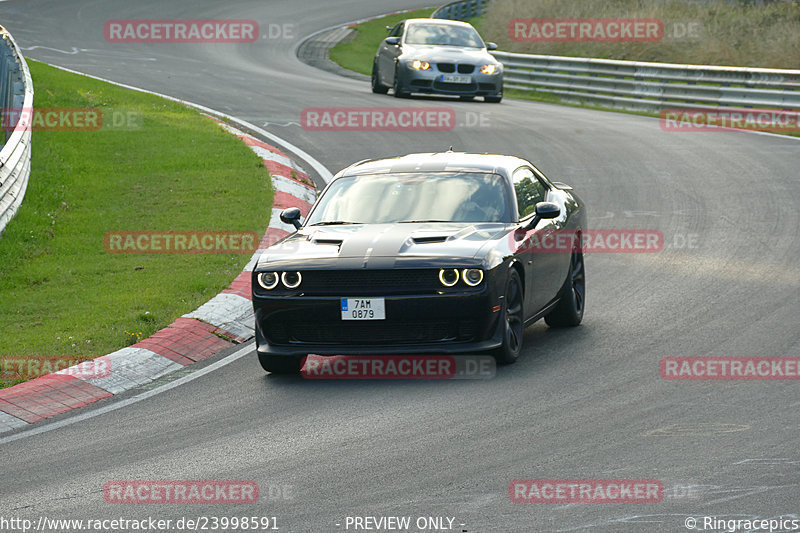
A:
(530, 191)
(397, 31)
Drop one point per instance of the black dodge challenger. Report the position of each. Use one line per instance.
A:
(421, 254)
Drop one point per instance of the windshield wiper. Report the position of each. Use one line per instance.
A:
(335, 223)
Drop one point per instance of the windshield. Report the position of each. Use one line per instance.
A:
(413, 197)
(443, 35)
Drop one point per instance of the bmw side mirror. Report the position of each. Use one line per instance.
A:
(544, 210)
(393, 40)
(491, 46)
(291, 215)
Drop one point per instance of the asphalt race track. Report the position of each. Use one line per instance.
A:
(586, 403)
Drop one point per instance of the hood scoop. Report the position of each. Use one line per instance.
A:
(429, 239)
(331, 242)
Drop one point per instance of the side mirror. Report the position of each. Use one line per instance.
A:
(291, 215)
(491, 46)
(389, 28)
(392, 40)
(544, 211)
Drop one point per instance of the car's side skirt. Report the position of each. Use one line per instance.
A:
(545, 310)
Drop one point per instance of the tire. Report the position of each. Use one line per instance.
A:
(569, 311)
(280, 364)
(493, 99)
(377, 86)
(513, 321)
(398, 88)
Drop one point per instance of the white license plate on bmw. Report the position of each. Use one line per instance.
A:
(452, 78)
(363, 309)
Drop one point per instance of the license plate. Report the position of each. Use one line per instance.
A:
(450, 78)
(363, 309)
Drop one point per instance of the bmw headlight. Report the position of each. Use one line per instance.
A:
(268, 280)
(489, 69)
(472, 276)
(418, 64)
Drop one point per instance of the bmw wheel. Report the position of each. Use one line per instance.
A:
(377, 86)
(399, 91)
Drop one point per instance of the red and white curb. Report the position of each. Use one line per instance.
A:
(225, 320)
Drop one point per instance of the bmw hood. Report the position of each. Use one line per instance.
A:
(382, 245)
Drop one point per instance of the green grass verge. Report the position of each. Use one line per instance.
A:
(712, 32)
(61, 293)
(357, 54)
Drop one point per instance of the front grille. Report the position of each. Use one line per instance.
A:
(371, 333)
(425, 84)
(448, 68)
(372, 282)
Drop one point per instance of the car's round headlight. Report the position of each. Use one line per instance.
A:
(448, 277)
(291, 280)
(418, 64)
(268, 280)
(488, 69)
(472, 276)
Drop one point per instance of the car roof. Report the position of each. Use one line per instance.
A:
(437, 162)
(444, 22)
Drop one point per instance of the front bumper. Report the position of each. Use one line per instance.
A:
(444, 324)
(430, 82)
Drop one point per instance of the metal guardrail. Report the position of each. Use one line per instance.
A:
(16, 93)
(461, 10)
(651, 86)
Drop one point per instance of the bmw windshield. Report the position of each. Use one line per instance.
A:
(443, 35)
